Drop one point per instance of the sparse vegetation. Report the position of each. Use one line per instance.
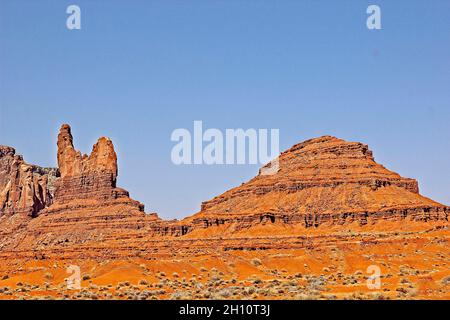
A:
(143, 282)
(86, 277)
(256, 262)
(48, 276)
(283, 276)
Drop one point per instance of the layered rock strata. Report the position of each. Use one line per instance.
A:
(84, 204)
(322, 181)
(24, 189)
(92, 177)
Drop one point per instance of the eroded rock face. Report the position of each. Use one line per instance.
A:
(86, 177)
(322, 184)
(86, 205)
(322, 181)
(71, 163)
(24, 189)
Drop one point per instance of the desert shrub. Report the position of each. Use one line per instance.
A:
(143, 282)
(404, 281)
(225, 293)
(356, 296)
(446, 281)
(123, 284)
(379, 296)
(180, 295)
(141, 297)
(401, 290)
(303, 296)
(94, 296)
(249, 290)
(412, 293)
(256, 262)
(316, 283)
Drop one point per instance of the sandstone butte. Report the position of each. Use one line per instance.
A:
(328, 194)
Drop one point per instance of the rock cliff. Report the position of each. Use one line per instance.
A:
(321, 181)
(87, 177)
(24, 189)
(78, 203)
(327, 214)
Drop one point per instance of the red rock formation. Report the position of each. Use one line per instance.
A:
(321, 181)
(24, 189)
(82, 206)
(86, 177)
(87, 206)
(330, 209)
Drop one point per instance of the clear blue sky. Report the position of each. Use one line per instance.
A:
(139, 69)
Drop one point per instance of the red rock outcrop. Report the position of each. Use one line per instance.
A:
(87, 177)
(329, 212)
(87, 206)
(24, 189)
(321, 181)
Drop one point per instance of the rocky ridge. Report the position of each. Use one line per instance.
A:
(81, 204)
(322, 184)
(322, 181)
(25, 189)
(309, 231)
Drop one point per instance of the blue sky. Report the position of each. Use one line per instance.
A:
(137, 70)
